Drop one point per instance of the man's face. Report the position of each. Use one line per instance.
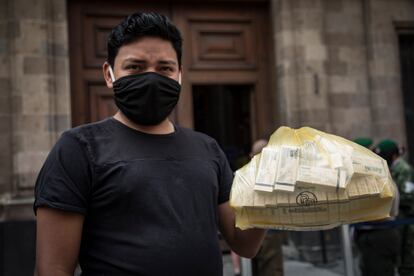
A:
(147, 54)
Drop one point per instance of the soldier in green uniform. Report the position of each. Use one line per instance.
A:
(402, 174)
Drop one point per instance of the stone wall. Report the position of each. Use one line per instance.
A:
(35, 97)
(5, 103)
(300, 62)
(349, 97)
(338, 65)
(384, 65)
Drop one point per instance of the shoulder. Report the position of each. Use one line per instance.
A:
(86, 134)
(187, 132)
(90, 129)
(83, 136)
(200, 139)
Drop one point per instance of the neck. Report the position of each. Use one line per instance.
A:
(165, 127)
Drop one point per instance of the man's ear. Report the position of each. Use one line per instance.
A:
(107, 74)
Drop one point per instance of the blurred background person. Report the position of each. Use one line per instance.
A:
(402, 174)
(269, 260)
(378, 242)
(235, 259)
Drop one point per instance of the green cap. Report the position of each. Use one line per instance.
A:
(386, 145)
(364, 141)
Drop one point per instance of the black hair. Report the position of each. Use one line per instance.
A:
(141, 24)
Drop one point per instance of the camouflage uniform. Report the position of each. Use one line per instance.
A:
(402, 172)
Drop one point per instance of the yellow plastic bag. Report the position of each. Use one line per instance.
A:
(306, 179)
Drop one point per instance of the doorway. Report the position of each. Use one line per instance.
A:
(224, 113)
(406, 41)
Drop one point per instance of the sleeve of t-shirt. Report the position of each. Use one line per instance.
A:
(225, 178)
(65, 180)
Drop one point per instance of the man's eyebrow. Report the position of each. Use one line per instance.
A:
(167, 62)
(135, 60)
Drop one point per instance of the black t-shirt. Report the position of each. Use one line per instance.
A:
(150, 201)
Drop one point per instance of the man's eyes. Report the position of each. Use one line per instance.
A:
(167, 69)
(142, 68)
(134, 67)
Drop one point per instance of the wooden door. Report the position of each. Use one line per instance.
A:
(90, 23)
(224, 44)
(228, 44)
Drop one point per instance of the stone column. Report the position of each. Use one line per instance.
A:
(35, 88)
(34, 109)
(300, 58)
(384, 66)
(349, 98)
(338, 65)
(5, 104)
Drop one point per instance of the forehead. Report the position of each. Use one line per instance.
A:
(148, 48)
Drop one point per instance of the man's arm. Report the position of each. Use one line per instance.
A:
(245, 243)
(58, 237)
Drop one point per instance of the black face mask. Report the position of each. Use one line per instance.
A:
(147, 98)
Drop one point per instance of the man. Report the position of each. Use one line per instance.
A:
(269, 259)
(401, 173)
(378, 241)
(135, 194)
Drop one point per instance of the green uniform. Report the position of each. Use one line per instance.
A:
(402, 172)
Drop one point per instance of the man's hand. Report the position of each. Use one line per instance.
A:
(245, 243)
(58, 237)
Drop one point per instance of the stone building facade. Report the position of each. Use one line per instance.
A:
(336, 68)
